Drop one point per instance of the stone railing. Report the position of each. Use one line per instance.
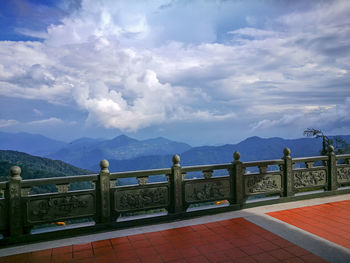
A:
(107, 201)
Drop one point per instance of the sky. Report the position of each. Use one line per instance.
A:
(202, 72)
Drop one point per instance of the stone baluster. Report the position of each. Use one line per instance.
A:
(13, 196)
(103, 194)
(142, 180)
(263, 169)
(309, 164)
(207, 174)
(62, 188)
(288, 177)
(237, 179)
(332, 169)
(176, 189)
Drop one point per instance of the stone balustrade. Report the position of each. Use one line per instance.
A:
(235, 184)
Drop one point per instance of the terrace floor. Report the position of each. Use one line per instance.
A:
(316, 230)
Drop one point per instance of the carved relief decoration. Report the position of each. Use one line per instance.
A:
(309, 178)
(141, 198)
(206, 191)
(262, 183)
(54, 208)
(343, 174)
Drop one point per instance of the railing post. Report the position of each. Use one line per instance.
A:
(103, 193)
(332, 169)
(237, 178)
(176, 192)
(288, 177)
(13, 196)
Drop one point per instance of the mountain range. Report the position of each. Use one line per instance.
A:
(125, 153)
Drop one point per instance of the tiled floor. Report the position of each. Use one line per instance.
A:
(233, 240)
(330, 221)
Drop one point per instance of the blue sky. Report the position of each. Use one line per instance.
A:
(202, 72)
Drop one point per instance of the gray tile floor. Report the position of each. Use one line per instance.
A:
(321, 247)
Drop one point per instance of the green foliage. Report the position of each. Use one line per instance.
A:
(34, 167)
(339, 144)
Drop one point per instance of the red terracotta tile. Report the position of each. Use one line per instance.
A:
(240, 242)
(62, 258)
(80, 247)
(267, 246)
(164, 247)
(293, 260)
(158, 240)
(20, 258)
(109, 258)
(141, 243)
(101, 243)
(264, 258)
(252, 250)
(167, 257)
(199, 227)
(119, 240)
(147, 251)
(151, 259)
(205, 249)
(311, 258)
(235, 253)
(126, 255)
(282, 243)
(83, 254)
(153, 234)
(245, 260)
(137, 237)
(281, 254)
(217, 257)
(85, 260)
(62, 250)
(198, 259)
(46, 252)
(40, 256)
(189, 252)
(223, 245)
(297, 251)
(103, 250)
(123, 246)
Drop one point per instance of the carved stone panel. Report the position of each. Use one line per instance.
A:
(343, 174)
(145, 198)
(55, 208)
(304, 178)
(262, 183)
(207, 190)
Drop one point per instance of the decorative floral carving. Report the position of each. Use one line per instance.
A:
(53, 208)
(343, 174)
(202, 191)
(141, 198)
(309, 178)
(263, 183)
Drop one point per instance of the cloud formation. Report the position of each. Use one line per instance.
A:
(134, 65)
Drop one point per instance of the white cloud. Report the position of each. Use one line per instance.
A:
(7, 123)
(327, 118)
(134, 65)
(50, 121)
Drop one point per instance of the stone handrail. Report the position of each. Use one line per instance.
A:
(106, 202)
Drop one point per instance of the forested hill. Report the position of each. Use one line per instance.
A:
(35, 167)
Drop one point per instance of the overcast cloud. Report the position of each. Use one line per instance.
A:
(145, 67)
